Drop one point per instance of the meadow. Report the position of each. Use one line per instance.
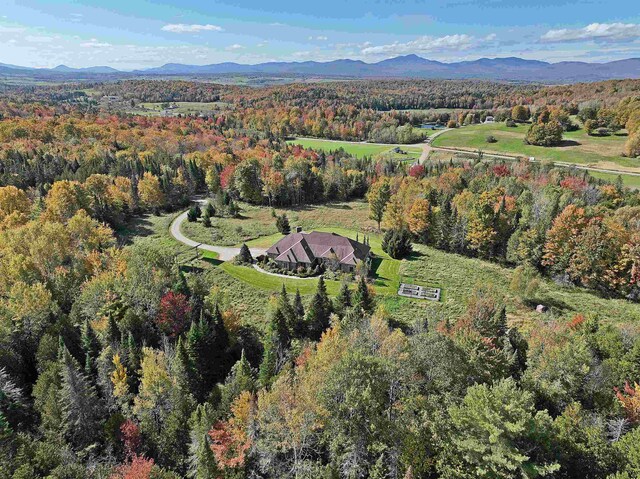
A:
(357, 149)
(456, 275)
(577, 147)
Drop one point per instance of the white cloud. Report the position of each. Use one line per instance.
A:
(320, 38)
(194, 28)
(93, 43)
(235, 47)
(596, 31)
(38, 39)
(428, 44)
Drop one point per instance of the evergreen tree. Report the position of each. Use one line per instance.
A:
(287, 309)
(282, 224)
(298, 329)
(343, 300)
(240, 379)
(276, 348)
(362, 297)
(244, 256)
(319, 312)
(210, 210)
(207, 345)
(182, 368)
(112, 334)
(90, 347)
(202, 462)
(81, 411)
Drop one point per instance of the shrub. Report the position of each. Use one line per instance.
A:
(210, 210)
(206, 220)
(282, 223)
(510, 123)
(452, 124)
(194, 213)
(491, 139)
(244, 256)
(397, 243)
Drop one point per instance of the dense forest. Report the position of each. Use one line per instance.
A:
(116, 362)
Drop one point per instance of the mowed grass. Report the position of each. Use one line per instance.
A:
(628, 180)
(359, 150)
(578, 147)
(257, 227)
(249, 290)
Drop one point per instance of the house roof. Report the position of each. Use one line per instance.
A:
(306, 247)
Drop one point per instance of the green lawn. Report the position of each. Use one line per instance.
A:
(627, 180)
(257, 227)
(355, 148)
(385, 273)
(578, 147)
(248, 290)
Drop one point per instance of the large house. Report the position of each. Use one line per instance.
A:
(308, 250)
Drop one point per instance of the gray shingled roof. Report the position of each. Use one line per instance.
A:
(305, 247)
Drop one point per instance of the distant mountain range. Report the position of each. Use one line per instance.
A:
(408, 66)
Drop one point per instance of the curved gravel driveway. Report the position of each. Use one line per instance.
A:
(225, 253)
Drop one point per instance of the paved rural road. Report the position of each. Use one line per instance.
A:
(225, 253)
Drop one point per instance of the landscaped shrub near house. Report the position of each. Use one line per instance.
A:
(491, 139)
(244, 256)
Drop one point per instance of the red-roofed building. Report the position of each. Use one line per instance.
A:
(308, 250)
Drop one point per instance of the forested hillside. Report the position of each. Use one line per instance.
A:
(118, 359)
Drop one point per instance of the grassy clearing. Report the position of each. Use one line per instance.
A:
(179, 108)
(257, 227)
(356, 149)
(385, 269)
(458, 276)
(578, 147)
(249, 290)
(627, 180)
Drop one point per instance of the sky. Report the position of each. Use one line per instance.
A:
(137, 34)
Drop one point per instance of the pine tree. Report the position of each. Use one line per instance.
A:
(362, 298)
(90, 346)
(113, 333)
(299, 327)
(207, 345)
(276, 348)
(343, 300)
(287, 309)
(79, 403)
(202, 462)
(182, 368)
(240, 379)
(244, 256)
(319, 312)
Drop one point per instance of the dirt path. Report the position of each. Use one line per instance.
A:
(225, 253)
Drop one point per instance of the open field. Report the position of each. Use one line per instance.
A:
(356, 149)
(632, 181)
(456, 275)
(578, 147)
(178, 108)
(256, 222)
(257, 229)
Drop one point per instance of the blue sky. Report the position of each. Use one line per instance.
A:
(128, 34)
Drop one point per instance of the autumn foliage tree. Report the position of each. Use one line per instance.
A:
(174, 313)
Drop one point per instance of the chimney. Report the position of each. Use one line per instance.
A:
(298, 229)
